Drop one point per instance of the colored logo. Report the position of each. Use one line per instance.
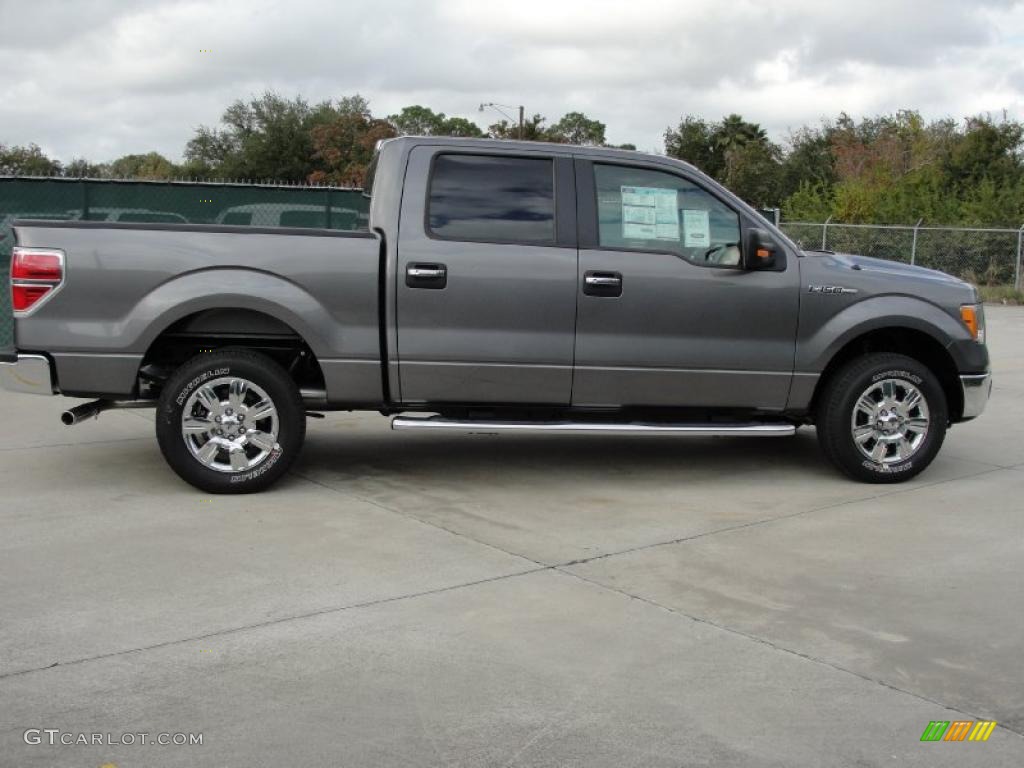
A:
(958, 730)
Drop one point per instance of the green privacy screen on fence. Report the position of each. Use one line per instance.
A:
(256, 205)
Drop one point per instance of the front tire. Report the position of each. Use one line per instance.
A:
(231, 421)
(882, 418)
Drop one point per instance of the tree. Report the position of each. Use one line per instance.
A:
(986, 150)
(693, 141)
(417, 121)
(734, 132)
(27, 161)
(460, 126)
(808, 160)
(533, 129)
(209, 151)
(577, 128)
(344, 144)
(573, 128)
(753, 172)
(735, 152)
(80, 168)
(268, 137)
(151, 165)
(423, 121)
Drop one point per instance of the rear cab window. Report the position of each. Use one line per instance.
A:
(640, 209)
(492, 198)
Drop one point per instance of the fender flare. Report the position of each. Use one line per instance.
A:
(814, 352)
(250, 289)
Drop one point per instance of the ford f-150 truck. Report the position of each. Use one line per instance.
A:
(500, 286)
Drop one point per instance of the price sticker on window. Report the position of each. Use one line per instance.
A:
(696, 229)
(650, 213)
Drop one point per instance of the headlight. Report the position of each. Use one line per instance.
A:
(973, 316)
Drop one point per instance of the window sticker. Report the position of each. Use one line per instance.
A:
(696, 229)
(650, 213)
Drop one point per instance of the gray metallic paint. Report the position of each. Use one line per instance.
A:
(685, 334)
(681, 335)
(500, 331)
(125, 287)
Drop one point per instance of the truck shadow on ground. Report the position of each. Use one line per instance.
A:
(447, 455)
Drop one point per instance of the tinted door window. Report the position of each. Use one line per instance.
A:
(492, 199)
(641, 209)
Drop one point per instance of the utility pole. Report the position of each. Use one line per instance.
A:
(498, 108)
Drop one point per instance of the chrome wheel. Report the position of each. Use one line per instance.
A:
(230, 425)
(890, 421)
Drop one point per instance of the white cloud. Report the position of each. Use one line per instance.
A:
(100, 79)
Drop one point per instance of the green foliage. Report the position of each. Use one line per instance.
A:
(152, 165)
(1001, 294)
(532, 130)
(268, 137)
(81, 168)
(572, 128)
(735, 152)
(344, 145)
(894, 168)
(887, 169)
(811, 201)
(577, 128)
(423, 121)
(694, 141)
(28, 161)
(460, 126)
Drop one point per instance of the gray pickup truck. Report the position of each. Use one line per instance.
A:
(501, 286)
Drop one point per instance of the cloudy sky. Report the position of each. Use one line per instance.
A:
(101, 78)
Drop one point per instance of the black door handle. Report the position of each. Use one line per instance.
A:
(602, 284)
(426, 275)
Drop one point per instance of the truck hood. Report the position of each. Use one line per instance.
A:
(884, 267)
(868, 277)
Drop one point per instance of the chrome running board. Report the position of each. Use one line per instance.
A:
(751, 429)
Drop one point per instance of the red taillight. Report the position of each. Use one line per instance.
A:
(24, 296)
(35, 274)
(36, 265)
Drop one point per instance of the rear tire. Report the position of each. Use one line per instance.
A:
(882, 418)
(231, 421)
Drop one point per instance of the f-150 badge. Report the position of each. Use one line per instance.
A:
(829, 289)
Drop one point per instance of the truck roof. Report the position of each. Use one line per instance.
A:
(507, 145)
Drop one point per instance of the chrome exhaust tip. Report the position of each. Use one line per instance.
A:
(80, 413)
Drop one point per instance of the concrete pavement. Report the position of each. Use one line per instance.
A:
(447, 600)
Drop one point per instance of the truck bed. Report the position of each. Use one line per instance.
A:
(126, 283)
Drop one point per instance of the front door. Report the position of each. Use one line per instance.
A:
(486, 282)
(667, 316)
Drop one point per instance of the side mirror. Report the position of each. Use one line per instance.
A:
(759, 249)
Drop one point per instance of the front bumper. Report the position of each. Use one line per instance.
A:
(976, 389)
(26, 373)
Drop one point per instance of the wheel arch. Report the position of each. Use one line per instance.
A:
(893, 323)
(253, 290)
(223, 327)
(901, 339)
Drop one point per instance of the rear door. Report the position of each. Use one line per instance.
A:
(486, 282)
(667, 316)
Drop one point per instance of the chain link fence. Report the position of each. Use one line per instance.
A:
(983, 256)
(257, 205)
